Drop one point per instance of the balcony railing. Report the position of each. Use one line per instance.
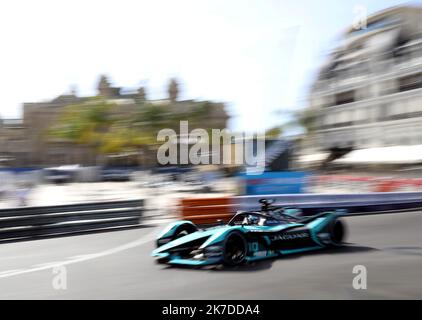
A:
(385, 65)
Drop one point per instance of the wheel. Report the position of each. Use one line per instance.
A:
(163, 260)
(337, 233)
(235, 249)
(183, 230)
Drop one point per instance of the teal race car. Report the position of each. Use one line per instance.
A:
(249, 236)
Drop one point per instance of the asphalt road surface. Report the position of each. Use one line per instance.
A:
(117, 265)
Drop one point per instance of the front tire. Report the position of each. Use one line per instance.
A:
(183, 230)
(235, 249)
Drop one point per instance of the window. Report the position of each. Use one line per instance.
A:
(410, 82)
(377, 24)
(345, 97)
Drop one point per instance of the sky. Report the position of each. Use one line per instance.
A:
(258, 56)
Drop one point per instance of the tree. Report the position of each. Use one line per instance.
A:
(306, 119)
(85, 123)
(96, 123)
(274, 132)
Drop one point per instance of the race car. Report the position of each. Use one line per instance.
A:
(249, 236)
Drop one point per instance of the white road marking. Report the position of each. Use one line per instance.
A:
(81, 256)
(47, 264)
(9, 271)
(143, 240)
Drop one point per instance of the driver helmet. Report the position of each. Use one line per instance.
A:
(253, 220)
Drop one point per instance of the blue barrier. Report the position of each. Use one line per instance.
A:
(282, 182)
(19, 170)
(355, 204)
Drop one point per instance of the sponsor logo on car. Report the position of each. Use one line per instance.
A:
(290, 236)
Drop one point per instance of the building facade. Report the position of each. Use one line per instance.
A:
(13, 143)
(25, 142)
(369, 93)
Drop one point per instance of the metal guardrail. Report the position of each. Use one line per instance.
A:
(36, 222)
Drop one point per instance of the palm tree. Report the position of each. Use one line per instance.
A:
(85, 123)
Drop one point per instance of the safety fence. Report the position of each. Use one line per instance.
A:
(36, 222)
(362, 184)
(210, 210)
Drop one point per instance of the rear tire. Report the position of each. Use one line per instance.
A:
(235, 249)
(337, 233)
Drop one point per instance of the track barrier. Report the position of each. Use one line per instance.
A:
(209, 210)
(358, 184)
(36, 222)
(206, 210)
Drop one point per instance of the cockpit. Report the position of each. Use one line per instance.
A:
(270, 218)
